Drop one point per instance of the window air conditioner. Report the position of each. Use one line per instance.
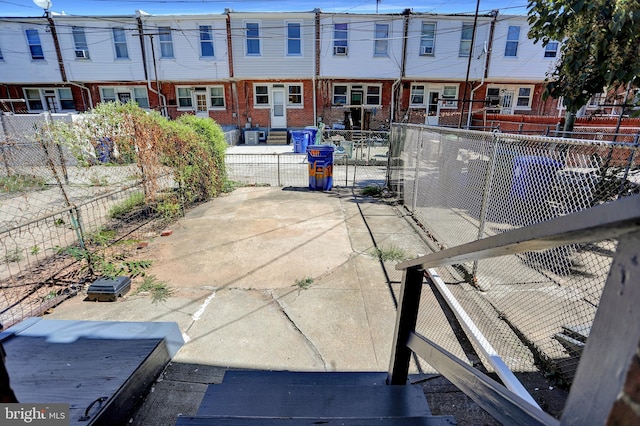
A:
(426, 50)
(340, 50)
(82, 54)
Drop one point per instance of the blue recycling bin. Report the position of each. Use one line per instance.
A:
(320, 159)
(312, 131)
(300, 141)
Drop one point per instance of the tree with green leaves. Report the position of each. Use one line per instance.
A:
(600, 41)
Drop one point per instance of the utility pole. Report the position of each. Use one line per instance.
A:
(466, 80)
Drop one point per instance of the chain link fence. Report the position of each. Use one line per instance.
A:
(460, 186)
(360, 159)
(66, 217)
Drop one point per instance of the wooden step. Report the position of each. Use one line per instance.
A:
(323, 401)
(278, 378)
(315, 421)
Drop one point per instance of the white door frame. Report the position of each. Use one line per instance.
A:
(433, 107)
(200, 103)
(278, 108)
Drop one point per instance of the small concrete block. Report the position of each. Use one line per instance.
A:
(166, 233)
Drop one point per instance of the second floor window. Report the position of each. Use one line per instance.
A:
(80, 42)
(206, 41)
(551, 49)
(253, 38)
(120, 43)
(428, 39)
(465, 40)
(35, 47)
(381, 44)
(513, 35)
(166, 42)
(340, 39)
(294, 42)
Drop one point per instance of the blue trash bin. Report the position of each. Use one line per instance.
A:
(320, 159)
(300, 141)
(312, 132)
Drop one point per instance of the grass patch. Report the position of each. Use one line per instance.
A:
(14, 255)
(134, 201)
(371, 191)
(102, 236)
(304, 283)
(390, 254)
(170, 209)
(20, 183)
(159, 290)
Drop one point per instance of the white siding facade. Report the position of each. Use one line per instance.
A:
(445, 61)
(269, 56)
(360, 60)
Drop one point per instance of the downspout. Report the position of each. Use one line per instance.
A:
(56, 45)
(487, 63)
(82, 86)
(476, 88)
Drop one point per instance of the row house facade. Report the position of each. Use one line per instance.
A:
(278, 70)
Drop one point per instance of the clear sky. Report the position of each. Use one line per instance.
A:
(161, 7)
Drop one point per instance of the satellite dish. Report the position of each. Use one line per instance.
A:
(44, 4)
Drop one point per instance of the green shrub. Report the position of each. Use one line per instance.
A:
(120, 210)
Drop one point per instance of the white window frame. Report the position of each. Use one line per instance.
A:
(288, 38)
(345, 95)
(208, 29)
(211, 97)
(465, 43)
(381, 43)
(414, 89)
(367, 94)
(164, 31)
(340, 45)
(131, 90)
(187, 95)
(426, 39)
(42, 98)
(120, 43)
(596, 101)
(80, 44)
(452, 103)
(511, 42)
(256, 94)
(299, 94)
(551, 50)
(38, 56)
(518, 96)
(256, 38)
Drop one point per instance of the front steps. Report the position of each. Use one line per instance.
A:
(277, 137)
(301, 398)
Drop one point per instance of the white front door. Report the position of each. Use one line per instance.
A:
(506, 105)
(433, 107)
(200, 101)
(278, 109)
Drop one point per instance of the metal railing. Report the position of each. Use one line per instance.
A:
(462, 186)
(614, 335)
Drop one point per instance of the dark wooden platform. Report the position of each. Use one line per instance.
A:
(79, 362)
(306, 398)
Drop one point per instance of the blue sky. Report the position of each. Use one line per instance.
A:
(160, 7)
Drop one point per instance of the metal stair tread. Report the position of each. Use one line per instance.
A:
(337, 421)
(283, 377)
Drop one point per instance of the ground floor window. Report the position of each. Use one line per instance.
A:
(293, 94)
(357, 94)
(49, 99)
(125, 94)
